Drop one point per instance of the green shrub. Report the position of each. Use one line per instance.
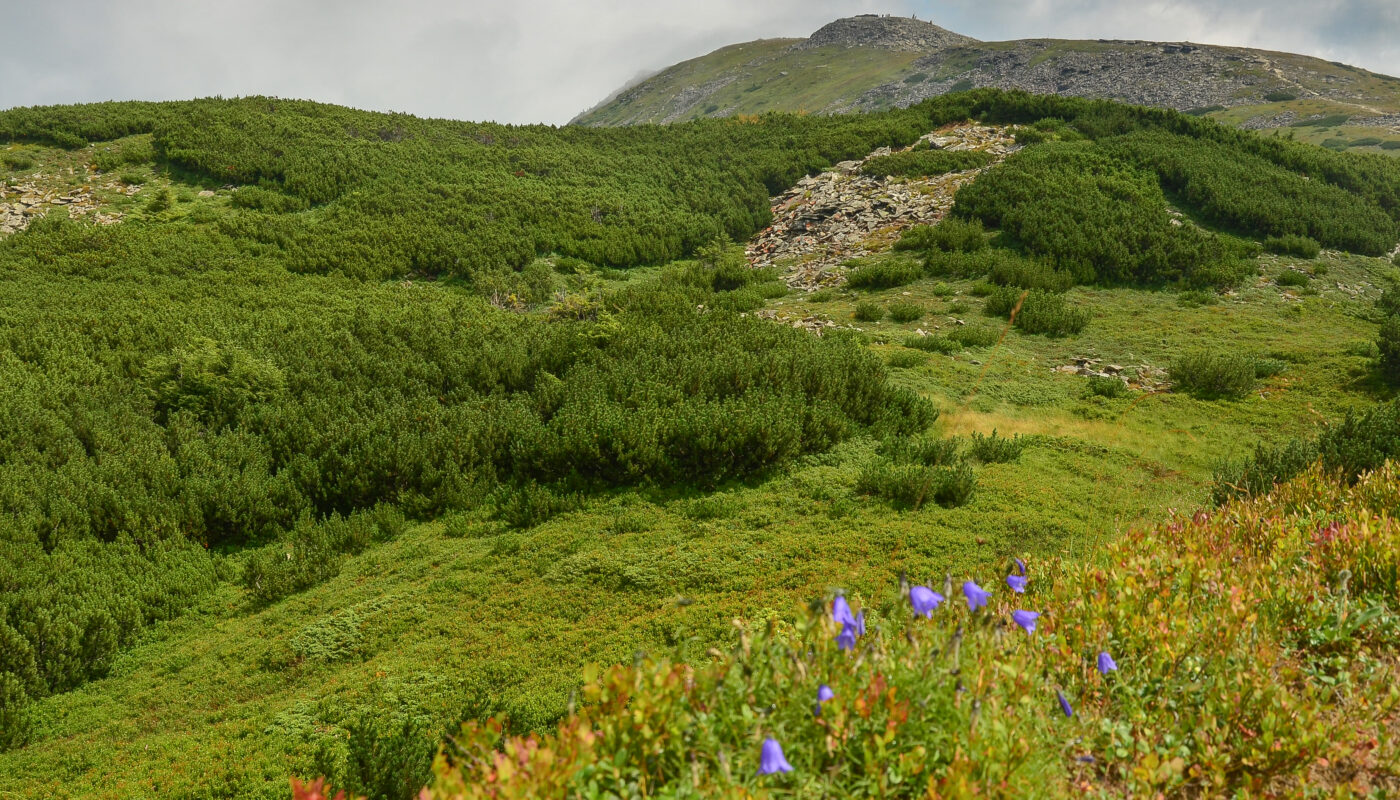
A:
(132, 178)
(933, 344)
(15, 720)
(995, 449)
(1280, 96)
(950, 235)
(213, 381)
(1388, 347)
(1195, 298)
(925, 450)
(162, 200)
(385, 753)
(715, 506)
(530, 504)
(1107, 387)
(1366, 141)
(822, 296)
(1206, 375)
(1269, 367)
(1040, 312)
(1358, 444)
(983, 289)
(912, 486)
(1300, 246)
(941, 289)
(906, 312)
(16, 161)
(883, 274)
(1388, 304)
(267, 200)
(869, 311)
(974, 335)
(1390, 144)
(1292, 277)
(903, 359)
(958, 307)
(1011, 270)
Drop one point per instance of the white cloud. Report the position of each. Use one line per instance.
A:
(546, 60)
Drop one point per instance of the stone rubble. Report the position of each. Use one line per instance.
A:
(841, 214)
(22, 203)
(1143, 377)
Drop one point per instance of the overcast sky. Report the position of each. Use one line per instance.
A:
(546, 60)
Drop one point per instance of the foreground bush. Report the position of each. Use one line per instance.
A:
(1211, 376)
(1224, 654)
(1359, 443)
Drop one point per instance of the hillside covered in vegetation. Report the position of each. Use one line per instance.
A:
(323, 432)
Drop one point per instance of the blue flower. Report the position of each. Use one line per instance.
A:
(1017, 583)
(772, 760)
(1064, 704)
(824, 693)
(859, 623)
(976, 597)
(1026, 619)
(841, 611)
(1106, 663)
(1020, 565)
(846, 639)
(924, 600)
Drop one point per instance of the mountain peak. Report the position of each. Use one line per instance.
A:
(886, 33)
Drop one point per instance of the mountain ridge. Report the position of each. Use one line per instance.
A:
(871, 62)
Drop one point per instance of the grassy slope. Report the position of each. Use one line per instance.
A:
(219, 698)
(762, 76)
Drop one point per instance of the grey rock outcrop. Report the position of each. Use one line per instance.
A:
(885, 33)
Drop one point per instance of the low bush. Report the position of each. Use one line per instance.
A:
(1008, 269)
(933, 344)
(975, 335)
(950, 235)
(1208, 375)
(822, 296)
(16, 161)
(529, 504)
(311, 552)
(994, 449)
(1040, 312)
(1269, 367)
(983, 289)
(912, 485)
(1107, 387)
(903, 359)
(1292, 277)
(1293, 245)
(1195, 298)
(1388, 349)
(926, 450)
(906, 312)
(1280, 96)
(1326, 121)
(1359, 443)
(883, 274)
(268, 200)
(869, 311)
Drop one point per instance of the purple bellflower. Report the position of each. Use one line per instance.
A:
(1106, 663)
(1017, 583)
(846, 639)
(924, 600)
(1064, 704)
(1020, 565)
(976, 596)
(841, 611)
(771, 760)
(824, 693)
(1026, 619)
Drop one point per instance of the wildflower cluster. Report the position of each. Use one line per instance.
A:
(1246, 652)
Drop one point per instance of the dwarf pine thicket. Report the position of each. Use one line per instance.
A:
(191, 384)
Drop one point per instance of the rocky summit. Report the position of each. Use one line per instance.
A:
(885, 32)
